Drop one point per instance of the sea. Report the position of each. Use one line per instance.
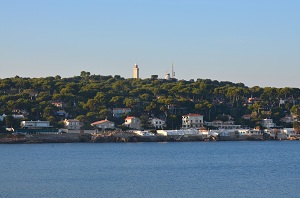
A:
(170, 169)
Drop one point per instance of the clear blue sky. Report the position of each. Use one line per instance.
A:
(255, 42)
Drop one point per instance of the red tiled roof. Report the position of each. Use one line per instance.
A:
(130, 117)
(100, 122)
(193, 114)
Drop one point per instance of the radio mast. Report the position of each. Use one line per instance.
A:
(173, 72)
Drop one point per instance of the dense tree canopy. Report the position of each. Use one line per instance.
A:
(92, 97)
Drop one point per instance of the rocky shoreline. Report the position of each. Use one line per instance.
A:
(102, 138)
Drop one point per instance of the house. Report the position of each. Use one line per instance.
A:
(268, 123)
(61, 113)
(157, 123)
(21, 111)
(288, 119)
(58, 104)
(192, 121)
(118, 112)
(132, 122)
(18, 116)
(252, 101)
(103, 124)
(72, 124)
(247, 117)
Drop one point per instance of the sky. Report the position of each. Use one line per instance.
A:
(255, 42)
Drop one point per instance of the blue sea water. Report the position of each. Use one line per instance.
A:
(173, 169)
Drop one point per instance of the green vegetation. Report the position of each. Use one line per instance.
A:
(92, 97)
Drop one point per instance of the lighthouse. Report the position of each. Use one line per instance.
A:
(136, 73)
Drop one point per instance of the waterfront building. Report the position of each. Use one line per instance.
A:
(35, 124)
(103, 124)
(132, 122)
(72, 124)
(223, 125)
(157, 123)
(192, 121)
(268, 123)
(144, 133)
(36, 127)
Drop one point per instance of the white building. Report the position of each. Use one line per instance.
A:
(117, 112)
(35, 124)
(103, 124)
(2, 117)
(192, 121)
(132, 122)
(72, 124)
(186, 132)
(167, 77)
(288, 119)
(267, 123)
(223, 125)
(157, 123)
(136, 73)
(144, 133)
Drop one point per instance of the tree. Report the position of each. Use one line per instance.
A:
(11, 122)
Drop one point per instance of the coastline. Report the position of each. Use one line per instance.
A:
(112, 138)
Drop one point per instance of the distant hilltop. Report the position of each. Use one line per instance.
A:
(90, 98)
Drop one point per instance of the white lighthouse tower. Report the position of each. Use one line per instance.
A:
(136, 73)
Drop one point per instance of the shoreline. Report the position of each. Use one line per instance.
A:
(114, 138)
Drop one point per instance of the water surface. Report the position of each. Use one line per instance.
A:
(178, 169)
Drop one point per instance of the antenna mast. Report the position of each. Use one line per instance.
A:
(173, 73)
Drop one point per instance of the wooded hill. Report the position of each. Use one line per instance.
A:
(91, 98)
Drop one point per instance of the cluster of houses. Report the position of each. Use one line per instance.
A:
(191, 127)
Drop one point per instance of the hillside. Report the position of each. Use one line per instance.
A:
(92, 97)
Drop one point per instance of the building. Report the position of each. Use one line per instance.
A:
(103, 124)
(223, 125)
(167, 76)
(136, 73)
(247, 117)
(61, 113)
(132, 122)
(192, 121)
(58, 104)
(35, 124)
(36, 127)
(2, 117)
(252, 101)
(157, 123)
(72, 124)
(268, 123)
(18, 116)
(144, 133)
(118, 112)
(289, 119)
